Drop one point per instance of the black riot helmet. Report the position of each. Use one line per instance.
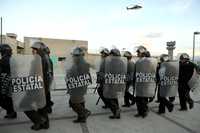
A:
(78, 51)
(115, 52)
(164, 57)
(141, 51)
(40, 47)
(128, 55)
(104, 52)
(5, 49)
(147, 54)
(184, 56)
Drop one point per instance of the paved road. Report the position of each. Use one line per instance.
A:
(62, 117)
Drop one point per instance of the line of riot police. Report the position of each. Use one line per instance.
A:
(147, 77)
(116, 75)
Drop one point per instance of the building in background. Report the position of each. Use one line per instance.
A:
(59, 47)
(11, 39)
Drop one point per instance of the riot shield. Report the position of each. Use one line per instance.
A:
(27, 82)
(77, 76)
(115, 76)
(145, 77)
(168, 74)
(194, 82)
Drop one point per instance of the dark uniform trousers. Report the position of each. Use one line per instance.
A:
(128, 96)
(142, 105)
(113, 104)
(49, 103)
(158, 93)
(164, 102)
(184, 95)
(6, 103)
(38, 117)
(100, 92)
(80, 109)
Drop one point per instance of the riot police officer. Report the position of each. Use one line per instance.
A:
(100, 76)
(164, 102)
(186, 69)
(141, 102)
(79, 68)
(113, 84)
(163, 58)
(129, 82)
(5, 82)
(50, 80)
(145, 70)
(40, 117)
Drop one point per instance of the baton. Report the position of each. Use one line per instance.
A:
(98, 101)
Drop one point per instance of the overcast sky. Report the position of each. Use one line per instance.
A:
(107, 23)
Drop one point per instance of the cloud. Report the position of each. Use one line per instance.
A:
(154, 35)
(180, 6)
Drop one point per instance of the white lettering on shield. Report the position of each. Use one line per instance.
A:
(115, 78)
(22, 84)
(78, 81)
(145, 77)
(169, 81)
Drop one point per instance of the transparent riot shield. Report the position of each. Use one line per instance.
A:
(168, 73)
(78, 76)
(194, 82)
(145, 77)
(115, 76)
(27, 82)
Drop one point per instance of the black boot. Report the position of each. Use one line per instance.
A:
(137, 115)
(12, 115)
(36, 127)
(42, 125)
(116, 115)
(191, 105)
(49, 110)
(183, 109)
(170, 108)
(161, 110)
(144, 115)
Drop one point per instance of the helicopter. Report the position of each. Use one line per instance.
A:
(134, 7)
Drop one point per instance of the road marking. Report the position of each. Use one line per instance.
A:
(84, 128)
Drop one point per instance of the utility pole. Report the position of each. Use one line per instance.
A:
(1, 31)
